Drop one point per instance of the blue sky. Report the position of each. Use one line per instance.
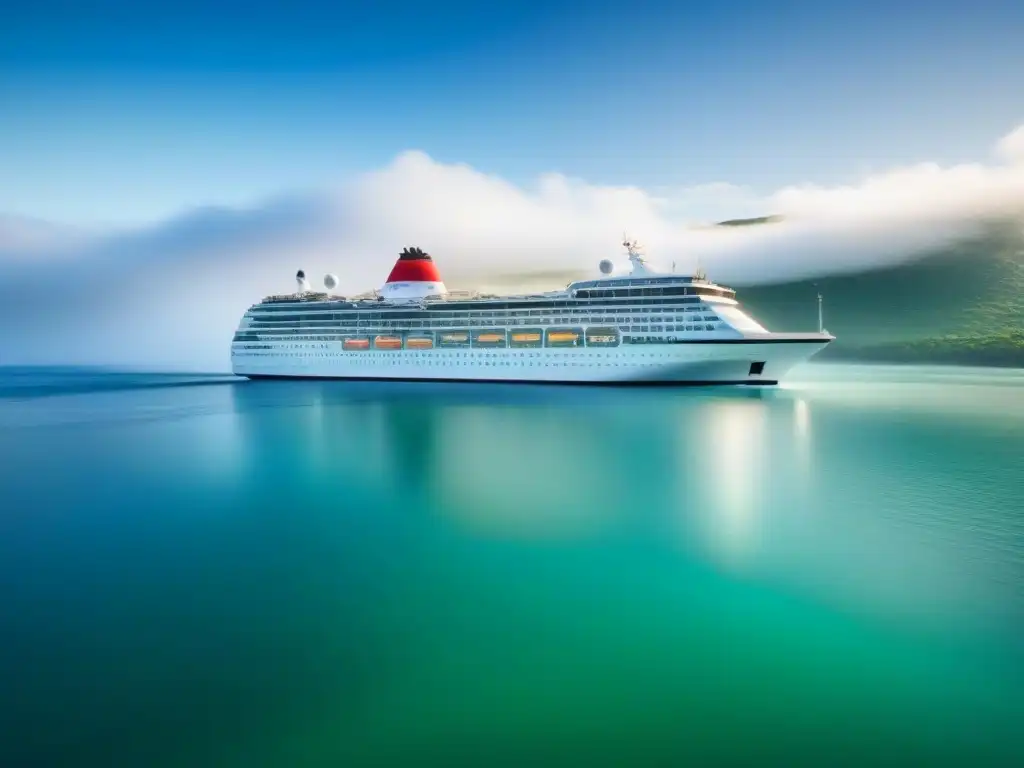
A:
(129, 112)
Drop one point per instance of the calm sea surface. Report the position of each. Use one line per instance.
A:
(197, 571)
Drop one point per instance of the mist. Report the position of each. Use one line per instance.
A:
(169, 296)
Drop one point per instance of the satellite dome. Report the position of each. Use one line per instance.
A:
(606, 266)
(330, 281)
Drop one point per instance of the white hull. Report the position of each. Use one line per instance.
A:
(703, 362)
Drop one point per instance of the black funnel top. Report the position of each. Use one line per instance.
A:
(414, 254)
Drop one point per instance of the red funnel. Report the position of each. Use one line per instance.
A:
(414, 266)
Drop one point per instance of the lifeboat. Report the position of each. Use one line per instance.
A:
(491, 338)
(419, 343)
(355, 344)
(603, 337)
(454, 338)
(387, 342)
(526, 338)
(563, 337)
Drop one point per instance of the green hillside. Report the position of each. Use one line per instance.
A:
(961, 304)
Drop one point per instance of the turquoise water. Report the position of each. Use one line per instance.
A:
(202, 572)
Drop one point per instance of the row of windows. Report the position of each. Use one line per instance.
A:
(695, 323)
(593, 338)
(475, 365)
(374, 310)
(510, 318)
(636, 282)
(654, 324)
(443, 362)
(622, 293)
(442, 354)
(481, 325)
(465, 358)
(707, 323)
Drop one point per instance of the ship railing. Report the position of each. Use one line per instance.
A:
(294, 297)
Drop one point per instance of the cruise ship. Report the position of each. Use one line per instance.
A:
(639, 326)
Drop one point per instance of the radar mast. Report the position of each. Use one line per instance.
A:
(636, 256)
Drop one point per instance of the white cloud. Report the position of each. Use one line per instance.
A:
(478, 224)
(1011, 147)
(190, 279)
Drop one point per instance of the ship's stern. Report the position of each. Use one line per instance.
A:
(242, 344)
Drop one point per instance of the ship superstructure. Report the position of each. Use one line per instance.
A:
(641, 326)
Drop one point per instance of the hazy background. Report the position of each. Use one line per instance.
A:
(163, 168)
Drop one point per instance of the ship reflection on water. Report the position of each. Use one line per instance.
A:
(521, 460)
(542, 462)
(725, 477)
